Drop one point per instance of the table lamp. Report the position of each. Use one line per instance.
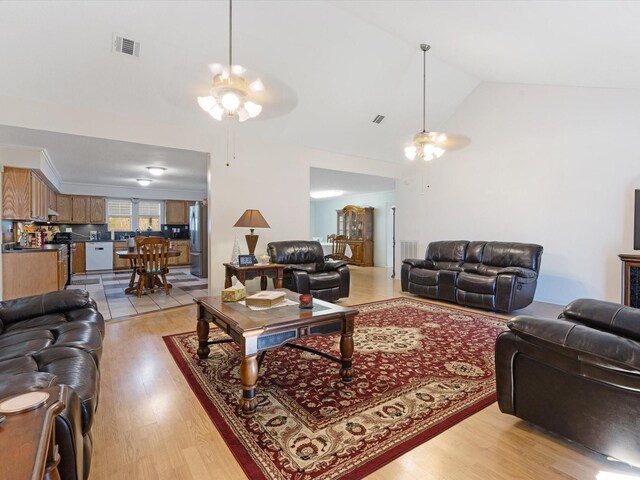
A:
(252, 219)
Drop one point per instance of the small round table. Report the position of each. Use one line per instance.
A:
(132, 256)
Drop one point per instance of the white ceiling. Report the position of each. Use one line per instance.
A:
(95, 161)
(330, 66)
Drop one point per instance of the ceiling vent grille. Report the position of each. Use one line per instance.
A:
(126, 46)
(378, 119)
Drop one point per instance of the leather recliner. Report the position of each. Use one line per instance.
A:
(577, 376)
(306, 271)
(491, 275)
(56, 339)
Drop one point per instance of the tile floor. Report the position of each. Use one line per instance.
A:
(113, 303)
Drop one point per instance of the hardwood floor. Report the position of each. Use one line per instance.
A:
(149, 424)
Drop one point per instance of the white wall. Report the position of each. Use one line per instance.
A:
(325, 219)
(550, 165)
(275, 179)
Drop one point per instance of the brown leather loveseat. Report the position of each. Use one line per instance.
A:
(577, 376)
(56, 339)
(492, 275)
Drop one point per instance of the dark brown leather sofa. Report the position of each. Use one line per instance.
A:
(307, 272)
(577, 376)
(56, 339)
(492, 275)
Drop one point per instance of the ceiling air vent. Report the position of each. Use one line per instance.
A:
(126, 46)
(378, 119)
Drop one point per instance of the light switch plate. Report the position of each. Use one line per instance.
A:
(68, 229)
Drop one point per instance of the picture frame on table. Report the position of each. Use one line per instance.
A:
(246, 260)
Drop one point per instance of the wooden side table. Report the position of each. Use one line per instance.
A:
(630, 280)
(264, 271)
(28, 440)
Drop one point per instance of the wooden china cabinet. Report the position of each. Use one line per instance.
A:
(356, 223)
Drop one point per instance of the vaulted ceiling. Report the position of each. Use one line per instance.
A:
(331, 66)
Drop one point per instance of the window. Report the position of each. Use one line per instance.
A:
(149, 215)
(119, 213)
(125, 215)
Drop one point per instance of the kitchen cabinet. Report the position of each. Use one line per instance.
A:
(78, 258)
(120, 263)
(25, 196)
(46, 271)
(79, 209)
(97, 207)
(64, 209)
(52, 199)
(175, 212)
(185, 258)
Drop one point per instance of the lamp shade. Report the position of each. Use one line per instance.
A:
(252, 219)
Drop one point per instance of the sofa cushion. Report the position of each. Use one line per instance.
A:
(89, 315)
(23, 382)
(319, 281)
(44, 322)
(75, 368)
(471, 282)
(24, 343)
(12, 311)
(25, 363)
(510, 254)
(295, 251)
(424, 277)
(447, 253)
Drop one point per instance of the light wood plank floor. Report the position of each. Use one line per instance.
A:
(149, 425)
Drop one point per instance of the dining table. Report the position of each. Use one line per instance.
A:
(132, 256)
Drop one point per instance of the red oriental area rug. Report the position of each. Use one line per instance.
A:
(419, 369)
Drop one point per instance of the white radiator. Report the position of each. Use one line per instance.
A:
(408, 249)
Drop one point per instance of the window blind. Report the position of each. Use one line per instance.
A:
(119, 208)
(149, 209)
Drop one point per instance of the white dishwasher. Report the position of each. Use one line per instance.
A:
(99, 256)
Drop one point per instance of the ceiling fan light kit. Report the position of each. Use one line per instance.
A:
(425, 145)
(230, 92)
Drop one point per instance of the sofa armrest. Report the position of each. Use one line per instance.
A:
(12, 311)
(301, 267)
(607, 316)
(418, 263)
(586, 344)
(330, 266)
(523, 275)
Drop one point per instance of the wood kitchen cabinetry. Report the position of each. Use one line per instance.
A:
(120, 263)
(79, 258)
(28, 273)
(177, 212)
(25, 196)
(185, 258)
(81, 209)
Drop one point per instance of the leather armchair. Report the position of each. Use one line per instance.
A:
(577, 376)
(49, 340)
(307, 272)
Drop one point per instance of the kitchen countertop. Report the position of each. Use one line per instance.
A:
(46, 248)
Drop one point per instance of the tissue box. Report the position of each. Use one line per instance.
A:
(233, 294)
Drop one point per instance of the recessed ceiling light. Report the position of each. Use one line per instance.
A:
(326, 193)
(156, 170)
(144, 182)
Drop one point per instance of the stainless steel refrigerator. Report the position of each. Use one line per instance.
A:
(199, 241)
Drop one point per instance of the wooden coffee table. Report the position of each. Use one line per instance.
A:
(258, 331)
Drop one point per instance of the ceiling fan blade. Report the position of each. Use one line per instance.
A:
(454, 142)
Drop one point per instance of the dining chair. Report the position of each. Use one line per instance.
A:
(339, 247)
(330, 237)
(153, 256)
